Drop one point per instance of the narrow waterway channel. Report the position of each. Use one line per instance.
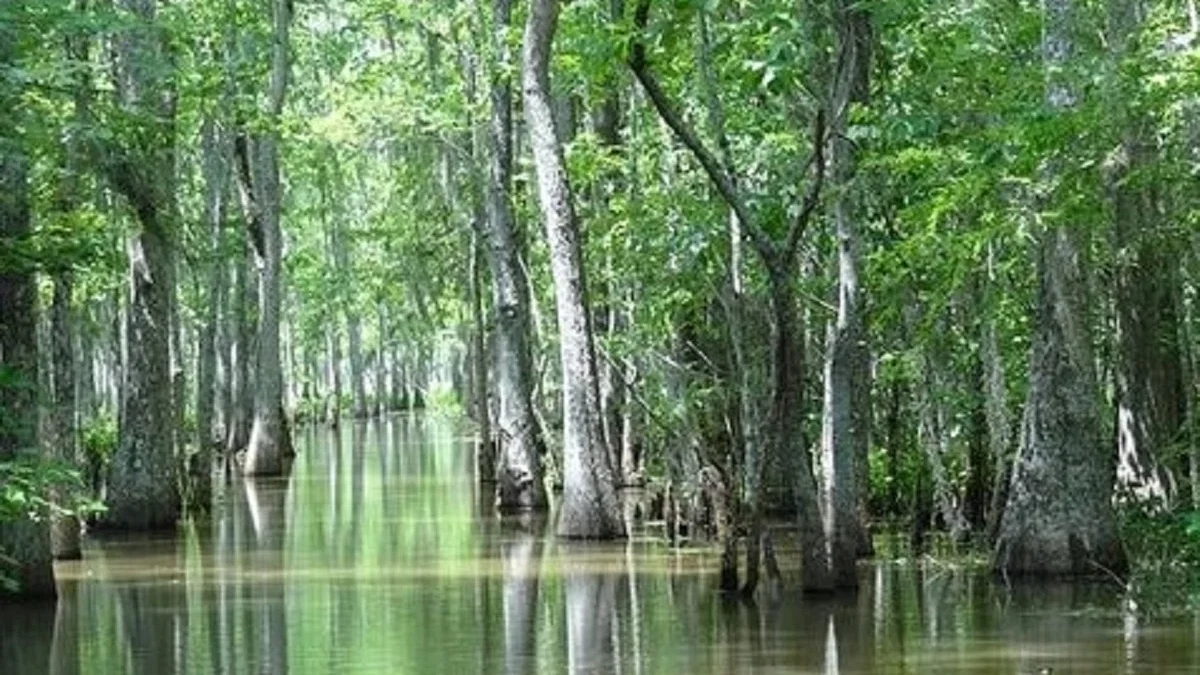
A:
(378, 555)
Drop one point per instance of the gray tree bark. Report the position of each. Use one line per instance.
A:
(845, 419)
(1059, 519)
(519, 475)
(26, 543)
(213, 167)
(590, 508)
(142, 475)
(64, 531)
(241, 326)
(262, 199)
(1150, 391)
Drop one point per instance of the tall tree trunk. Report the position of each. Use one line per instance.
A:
(142, 475)
(262, 198)
(845, 420)
(999, 424)
(1059, 519)
(354, 341)
(826, 561)
(25, 542)
(1150, 391)
(64, 532)
(519, 475)
(206, 359)
(485, 453)
(333, 360)
(934, 437)
(784, 433)
(590, 508)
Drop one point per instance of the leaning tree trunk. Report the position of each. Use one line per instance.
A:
(262, 198)
(519, 476)
(590, 508)
(1059, 519)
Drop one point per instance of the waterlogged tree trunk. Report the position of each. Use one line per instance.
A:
(519, 475)
(826, 561)
(142, 475)
(64, 530)
(996, 411)
(1059, 519)
(845, 420)
(590, 508)
(206, 359)
(1150, 391)
(354, 341)
(783, 429)
(934, 437)
(241, 326)
(262, 199)
(485, 454)
(26, 543)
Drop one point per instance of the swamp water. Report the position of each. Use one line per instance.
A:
(378, 554)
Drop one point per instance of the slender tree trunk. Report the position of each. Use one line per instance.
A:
(846, 415)
(263, 198)
(485, 453)
(64, 532)
(206, 359)
(999, 424)
(934, 436)
(590, 508)
(241, 326)
(519, 475)
(354, 334)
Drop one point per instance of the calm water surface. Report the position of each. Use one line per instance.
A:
(378, 555)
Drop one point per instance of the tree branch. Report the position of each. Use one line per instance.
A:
(813, 196)
(721, 179)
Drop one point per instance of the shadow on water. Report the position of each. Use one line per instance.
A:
(380, 554)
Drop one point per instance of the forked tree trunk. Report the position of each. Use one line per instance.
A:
(590, 508)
